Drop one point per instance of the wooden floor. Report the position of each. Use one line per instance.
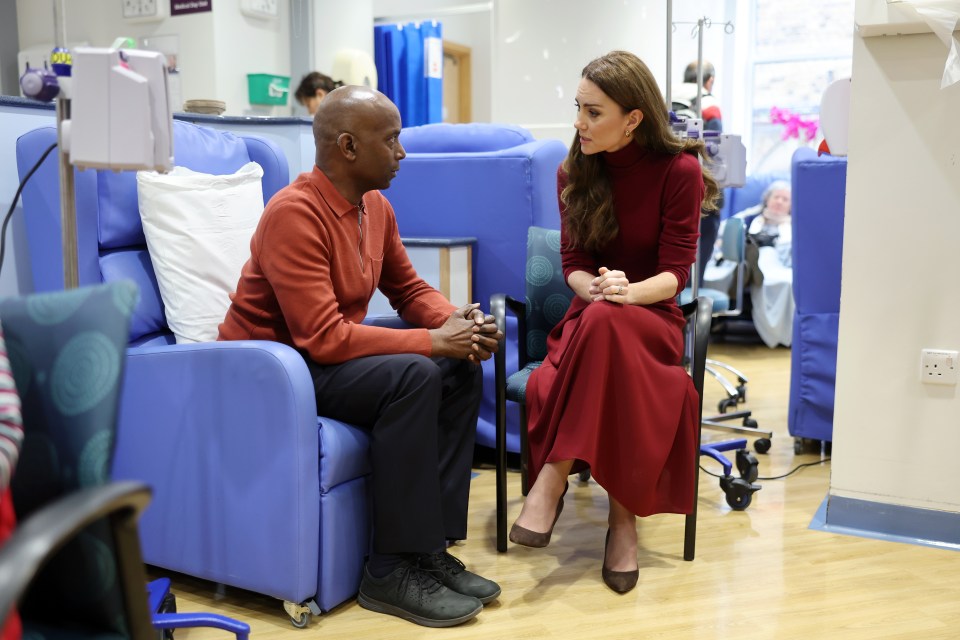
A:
(759, 573)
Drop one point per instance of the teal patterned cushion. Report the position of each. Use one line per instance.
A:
(517, 383)
(67, 350)
(547, 293)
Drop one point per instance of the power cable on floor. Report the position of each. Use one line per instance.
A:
(789, 473)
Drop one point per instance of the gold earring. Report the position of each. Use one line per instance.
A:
(627, 133)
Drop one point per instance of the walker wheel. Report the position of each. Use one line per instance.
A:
(739, 494)
(747, 465)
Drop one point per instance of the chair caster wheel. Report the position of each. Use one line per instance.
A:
(747, 465)
(741, 393)
(805, 445)
(727, 403)
(584, 476)
(299, 614)
(762, 445)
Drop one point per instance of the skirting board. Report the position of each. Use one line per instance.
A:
(894, 523)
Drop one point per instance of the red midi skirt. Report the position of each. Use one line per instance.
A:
(11, 630)
(612, 395)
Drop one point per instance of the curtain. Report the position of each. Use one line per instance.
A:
(409, 59)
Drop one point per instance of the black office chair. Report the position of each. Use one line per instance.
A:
(73, 566)
(547, 300)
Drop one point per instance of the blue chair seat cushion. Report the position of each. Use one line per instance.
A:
(517, 383)
(721, 301)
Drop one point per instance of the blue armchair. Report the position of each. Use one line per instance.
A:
(819, 191)
(491, 182)
(251, 488)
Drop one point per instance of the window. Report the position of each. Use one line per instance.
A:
(798, 49)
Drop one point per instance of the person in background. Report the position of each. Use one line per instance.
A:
(313, 88)
(769, 270)
(612, 394)
(685, 96)
(323, 245)
(11, 439)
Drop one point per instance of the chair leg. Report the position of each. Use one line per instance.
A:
(501, 453)
(524, 452)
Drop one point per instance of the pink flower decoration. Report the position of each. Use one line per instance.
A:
(793, 124)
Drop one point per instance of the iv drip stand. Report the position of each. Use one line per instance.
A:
(68, 215)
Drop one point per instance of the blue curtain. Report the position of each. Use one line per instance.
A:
(409, 59)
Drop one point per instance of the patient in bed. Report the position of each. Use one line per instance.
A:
(769, 264)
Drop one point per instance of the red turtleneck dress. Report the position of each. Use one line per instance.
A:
(612, 393)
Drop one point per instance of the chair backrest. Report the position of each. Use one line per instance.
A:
(818, 199)
(733, 240)
(474, 137)
(736, 199)
(547, 294)
(485, 181)
(67, 352)
(110, 241)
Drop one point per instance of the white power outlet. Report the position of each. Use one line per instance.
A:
(938, 366)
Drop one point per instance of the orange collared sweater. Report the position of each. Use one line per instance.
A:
(315, 261)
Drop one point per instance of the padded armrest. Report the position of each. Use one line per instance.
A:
(389, 322)
(233, 459)
(37, 539)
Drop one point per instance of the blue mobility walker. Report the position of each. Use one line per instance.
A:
(164, 616)
(739, 491)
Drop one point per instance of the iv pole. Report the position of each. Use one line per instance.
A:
(68, 215)
(701, 23)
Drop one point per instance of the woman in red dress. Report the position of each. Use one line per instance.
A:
(612, 393)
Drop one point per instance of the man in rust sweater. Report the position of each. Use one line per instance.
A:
(323, 246)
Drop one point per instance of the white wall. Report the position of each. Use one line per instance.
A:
(895, 439)
(217, 49)
(542, 46)
(241, 45)
(340, 25)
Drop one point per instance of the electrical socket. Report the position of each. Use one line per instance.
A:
(938, 366)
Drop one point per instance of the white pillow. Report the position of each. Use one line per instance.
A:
(198, 229)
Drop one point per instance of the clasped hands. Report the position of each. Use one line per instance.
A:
(610, 285)
(467, 334)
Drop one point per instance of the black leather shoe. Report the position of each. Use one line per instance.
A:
(454, 575)
(413, 593)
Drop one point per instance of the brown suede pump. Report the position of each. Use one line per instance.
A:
(528, 538)
(619, 581)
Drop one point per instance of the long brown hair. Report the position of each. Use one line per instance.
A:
(590, 221)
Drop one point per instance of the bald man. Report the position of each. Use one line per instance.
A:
(323, 246)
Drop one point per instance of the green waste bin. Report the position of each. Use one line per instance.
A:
(266, 88)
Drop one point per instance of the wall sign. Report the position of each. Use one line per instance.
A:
(181, 7)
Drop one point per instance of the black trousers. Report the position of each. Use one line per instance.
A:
(709, 226)
(422, 416)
